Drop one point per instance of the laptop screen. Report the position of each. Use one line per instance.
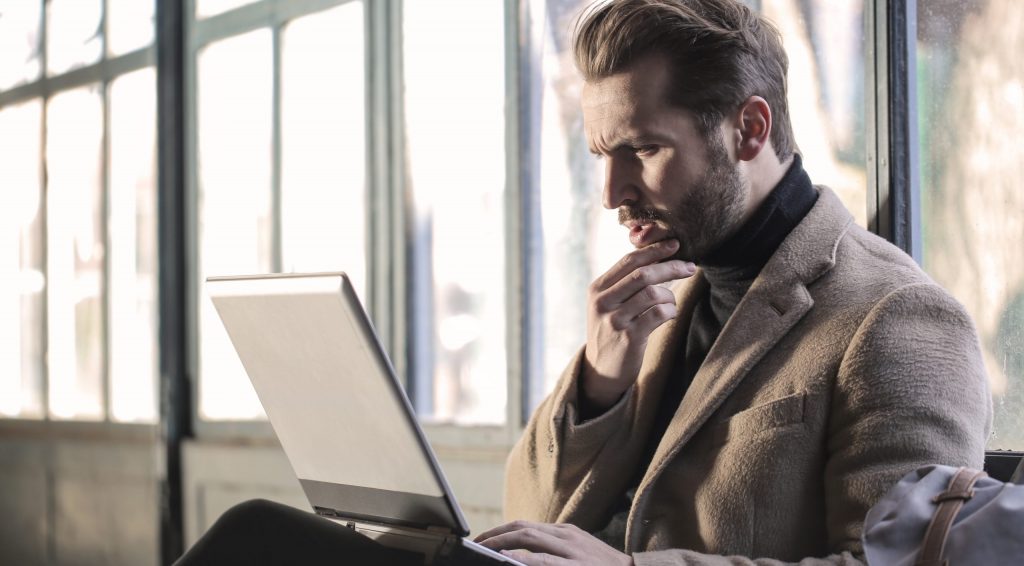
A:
(332, 398)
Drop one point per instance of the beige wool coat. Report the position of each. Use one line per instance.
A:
(843, 368)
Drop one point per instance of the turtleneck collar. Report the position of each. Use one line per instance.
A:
(755, 242)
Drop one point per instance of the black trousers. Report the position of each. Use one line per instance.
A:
(260, 532)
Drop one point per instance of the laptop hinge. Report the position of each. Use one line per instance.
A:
(350, 519)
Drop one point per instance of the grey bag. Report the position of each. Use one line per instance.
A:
(939, 515)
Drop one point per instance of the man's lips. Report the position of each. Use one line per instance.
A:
(644, 234)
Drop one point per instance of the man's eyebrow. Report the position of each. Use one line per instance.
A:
(626, 143)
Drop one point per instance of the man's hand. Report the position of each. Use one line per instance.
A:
(544, 544)
(624, 306)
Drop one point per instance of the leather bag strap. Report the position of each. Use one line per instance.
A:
(960, 490)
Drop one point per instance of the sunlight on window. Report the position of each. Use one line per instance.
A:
(73, 34)
(133, 253)
(581, 239)
(130, 25)
(971, 109)
(21, 277)
(824, 40)
(235, 92)
(75, 253)
(19, 42)
(323, 137)
(454, 103)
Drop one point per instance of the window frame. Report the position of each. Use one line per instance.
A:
(389, 203)
(101, 73)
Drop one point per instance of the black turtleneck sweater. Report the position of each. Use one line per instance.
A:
(730, 271)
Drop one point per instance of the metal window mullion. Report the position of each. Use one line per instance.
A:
(895, 209)
(103, 70)
(276, 235)
(382, 182)
(522, 320)
(44, 207)
(173, 172)
(105, 297)
(530, 94)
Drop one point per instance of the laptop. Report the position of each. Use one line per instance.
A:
(342, 417)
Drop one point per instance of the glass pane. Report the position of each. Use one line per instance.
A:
(21, 262)
(133, 250)
(825, 43)
(19, 41)
(454, 104)
(75, 253)
(129, 25)
(824, 40)
(235, 89)
(323, 138)
(74, 34)
(581, 239)
(971, 109)
(207, 8)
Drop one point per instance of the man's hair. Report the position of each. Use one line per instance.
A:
(720, 53)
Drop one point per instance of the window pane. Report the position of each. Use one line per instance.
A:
(73, 34)
(235, 90)
(323, 163)
(206, 8)
(75, 253)
(129, 25)
(825, 43)
(133, 269)
(454, 104)
(21, 262)
(581, 239)
(19, 41)
(824, 40)
(971, 110)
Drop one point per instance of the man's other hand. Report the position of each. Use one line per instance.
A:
(545, 544)
(624, 306)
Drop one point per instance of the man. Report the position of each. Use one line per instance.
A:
(752, 414)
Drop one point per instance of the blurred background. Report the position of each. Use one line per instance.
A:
(432, 149)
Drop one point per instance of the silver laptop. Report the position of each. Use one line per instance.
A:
(342, 417)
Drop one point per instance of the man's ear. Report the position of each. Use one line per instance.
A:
(754, 127)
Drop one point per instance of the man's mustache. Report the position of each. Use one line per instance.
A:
(642, 215)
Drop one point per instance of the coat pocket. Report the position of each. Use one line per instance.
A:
(760, 418)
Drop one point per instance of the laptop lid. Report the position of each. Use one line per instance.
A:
(333, 399)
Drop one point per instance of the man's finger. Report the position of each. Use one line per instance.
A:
(646, 276)
(535, 558)
(552, 529)
(634, 259)
(640, 303)
(532, 539)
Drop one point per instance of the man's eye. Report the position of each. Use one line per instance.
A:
(644, 150)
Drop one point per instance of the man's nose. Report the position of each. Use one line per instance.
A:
(620, 186)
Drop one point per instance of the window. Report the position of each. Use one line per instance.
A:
(454, 94)
(971, 106)
(78, 251)
(280, 181)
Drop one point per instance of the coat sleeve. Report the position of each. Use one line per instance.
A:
(911, 390)
(556, 452)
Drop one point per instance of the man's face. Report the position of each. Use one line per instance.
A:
(666, 179)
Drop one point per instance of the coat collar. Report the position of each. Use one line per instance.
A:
(776, 301)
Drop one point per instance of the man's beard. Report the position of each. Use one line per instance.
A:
(707, 214)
